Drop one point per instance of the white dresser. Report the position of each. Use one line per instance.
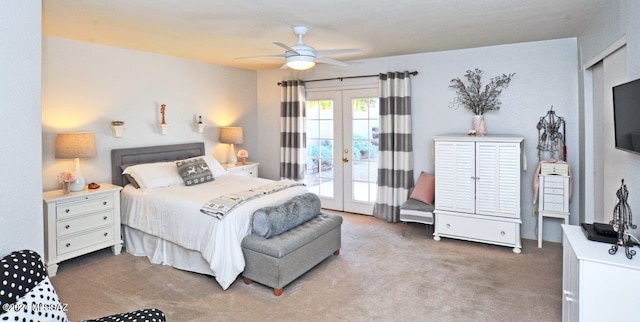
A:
(249, 169)
(478, 189)
(80, 222)
(597, 286)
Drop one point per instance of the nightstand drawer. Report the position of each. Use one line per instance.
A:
(77, 224)
(83, 207)
(247, 170)
(66, 245)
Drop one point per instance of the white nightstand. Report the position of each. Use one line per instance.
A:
(80, 222)
(250, 169)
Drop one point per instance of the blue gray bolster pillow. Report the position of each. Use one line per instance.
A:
(273, 221)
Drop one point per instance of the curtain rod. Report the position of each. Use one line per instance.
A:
(413, 73)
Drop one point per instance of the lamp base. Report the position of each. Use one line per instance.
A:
(80, 183)
(233, 159)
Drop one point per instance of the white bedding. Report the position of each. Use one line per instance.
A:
(173, 214)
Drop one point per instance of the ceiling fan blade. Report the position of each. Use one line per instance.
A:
(261, 56)
(332, 52)
(284, 66)
(279, 44)
(331, 61)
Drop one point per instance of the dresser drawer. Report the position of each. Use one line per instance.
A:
(553, 206)
(477, 228)
(83, 207)
(66, 245)
(78, 224)
(555, 198)
(553, 184)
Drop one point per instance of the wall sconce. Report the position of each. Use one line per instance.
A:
(164, 127)
(200, 125)
(117, 127)
(76, 145)
(231, 135)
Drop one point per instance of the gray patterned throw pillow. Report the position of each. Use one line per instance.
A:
(194, 171)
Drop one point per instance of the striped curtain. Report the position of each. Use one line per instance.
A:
(293, 131)
(395, 159)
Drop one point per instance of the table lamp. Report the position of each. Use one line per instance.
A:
(76, 145)
(231, 135)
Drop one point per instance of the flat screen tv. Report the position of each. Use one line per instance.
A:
(626, 116)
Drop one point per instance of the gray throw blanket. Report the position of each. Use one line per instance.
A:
(221, 206)
(273, 221)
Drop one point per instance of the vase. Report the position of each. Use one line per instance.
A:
(66, 188)
(481, 129)
(243, 160)
(477, 119)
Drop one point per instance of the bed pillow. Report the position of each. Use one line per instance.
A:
(425, 188)
(214, 166)
(273, 221)
(129, 178)
(154, 175)
(194, 171)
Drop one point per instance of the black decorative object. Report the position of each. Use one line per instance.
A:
(622, 222)
(551, 137)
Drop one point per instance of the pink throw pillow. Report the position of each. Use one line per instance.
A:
(425, 188)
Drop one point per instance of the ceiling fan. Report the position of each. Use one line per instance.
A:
(302, 56)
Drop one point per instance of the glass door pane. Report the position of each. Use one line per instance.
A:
(362, 128)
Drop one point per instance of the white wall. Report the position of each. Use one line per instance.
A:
(546, 74)
(20, 159)
(86, 86)
(617, 18)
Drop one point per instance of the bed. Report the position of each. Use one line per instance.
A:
(165, 223)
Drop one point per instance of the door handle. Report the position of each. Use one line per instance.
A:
(345, 160)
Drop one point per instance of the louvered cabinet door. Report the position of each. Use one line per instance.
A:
(498, 179)
(454, 170)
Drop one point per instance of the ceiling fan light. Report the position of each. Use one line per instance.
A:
(300, 62)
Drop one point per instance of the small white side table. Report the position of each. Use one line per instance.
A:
(80, 222)
(553, 202)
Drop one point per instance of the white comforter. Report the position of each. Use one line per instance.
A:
(173, 214)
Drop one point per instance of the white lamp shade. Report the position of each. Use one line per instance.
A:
(231, 135)
(75, 145)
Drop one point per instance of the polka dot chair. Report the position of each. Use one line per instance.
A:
(26, 293)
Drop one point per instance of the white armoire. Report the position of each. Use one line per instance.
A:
(477, 194)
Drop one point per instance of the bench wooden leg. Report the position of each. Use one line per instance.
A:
(337, 252)
(247, 281)
(277, 291)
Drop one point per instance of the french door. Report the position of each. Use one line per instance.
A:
(342, 148)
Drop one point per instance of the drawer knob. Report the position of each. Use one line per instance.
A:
(448, 226)
(67, 226)
(106, 234)
(104, 203)
(105, 217)
(67, 210)
(502, 233)
(68, 244)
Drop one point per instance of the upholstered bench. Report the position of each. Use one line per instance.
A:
(279, 260)
(416, 211)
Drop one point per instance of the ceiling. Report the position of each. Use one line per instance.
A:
(218, 31)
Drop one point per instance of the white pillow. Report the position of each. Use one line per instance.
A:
(155, 175)
(216, 168)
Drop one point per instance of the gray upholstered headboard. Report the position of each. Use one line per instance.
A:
(150, 154)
